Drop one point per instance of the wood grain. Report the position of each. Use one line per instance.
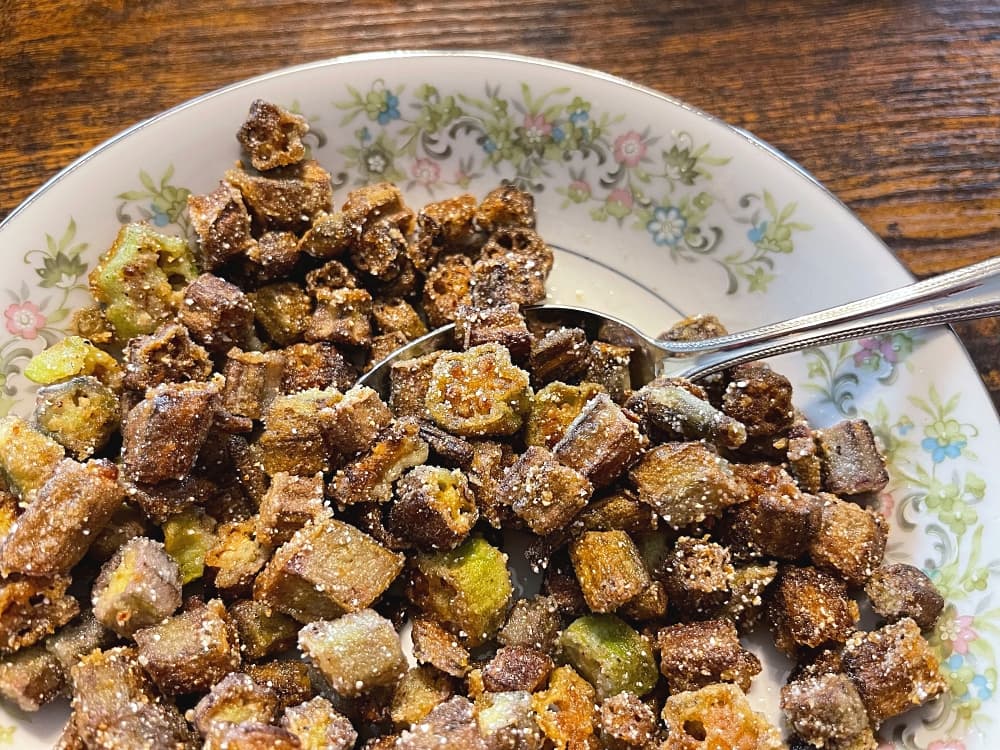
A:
(893, 104)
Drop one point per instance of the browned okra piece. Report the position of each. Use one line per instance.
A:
(505, 206)
(802, 454)
(342, 316)
(74, 641)
(746, 600)
(392, 315)
(319, 726)
(694, 328)
(517, 668)
(56, 530)
(851, 461)
(434, 507)
(717, 715)
(534, 623)
(272, 135)
(294, 437)
(262, 631)
(409, 381)
(620, 510)
(164, 499)
(778, 521)
(353, 424)
(238, 555)
(565, 712)
(32, 608)
(521, 245)
(273, 257)
(609, 568)
(251, 735)
(626, 722)
(222, 224)
(330, 276)
(502, 324)
(289, 504)
(235, 699)
(330, 235)
(608, 365)
(449, 724)
(696, 654)
(163, 433)
(380, 251)
(287, 197)
(602, 442)
(355, 653)
(901, 590)
(553, 410)
(809, 608)
(697, 574)
(485, 472)
(316, 365)
(850, 541)
(31, 678)
(326, 569)
(677, 412)
(561, 354)
(760, 399)
(506, 280)
(290, 679)
(450, 449)
(166, 355)
(543, 493)
(218, 314)
(115, 706)
(137, 587)
(434, 645)
(283, 311)
(27, 457)
(893, 668)
(191, 651)
(417, 693)
(448, 287)
(826, 711)
(685, 483)
(369, 477)
(81, 414)
(445, 225)
(253, 380)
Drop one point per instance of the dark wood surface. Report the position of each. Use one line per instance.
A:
(893, 104)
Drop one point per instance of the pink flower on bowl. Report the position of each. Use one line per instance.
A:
(964, 635)
(629, 149)
(950, 744)
(24, 319)
(536, 127)
(426, 172)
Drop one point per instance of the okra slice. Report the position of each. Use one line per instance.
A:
(553, 409)
(355, 653)
(80, 414)
(289, 504)
(565, 712)
(478, 392)
(135, 280)
(467, 589)
(31, 678)
(191, 651)
(369, 477)
(326, 569)
(718, 715)
(434, 508)
(610, 654)
(627, 722)
(293, 440)
(235, 699)
(262, 630)
(69, 511)
(27, 457)
(290, 679)
(115, 705)
(319, 726)
(72, 357)
(674, 409)
(187, 537)
(32, 608)
(543, 493)
(251, 735)
(609, 568)
(137, 587)
(417, 693)
(236, 557)
(507, 721)
(434, 645)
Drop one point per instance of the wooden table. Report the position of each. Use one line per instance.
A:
(893, 104)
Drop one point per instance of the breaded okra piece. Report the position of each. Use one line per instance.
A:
(187, 537)
(236, 557)
(602, 442)
(609, 568)
(80, 414)
(626, 723)
(168, 355)
(253, 381)
(434, 645)
(73, 357)
(561, 354)
(353, 424)
(69, 511)
(137, 587)
(478, 392)
(565, 712)
(282, 310)
(262, 631)
(218, 314)
(369, 477)
(543, 493)
(851, 462)
(235, 699)
(434, 508)
(553, 410)
(674, 409)
(696, 654)
(356, 653)
(447, 288)
(327, 569)
(409, 381)
(27, 457)
(69, 644)
(163, 433)
(850, 540)
(507, 721)
(289, 504)
(272, 135)
(809, 608)
(31, 678)
(900, 590)
(501, 324)
(718, 715)
(292, 680)
(191, 651)
(826, 711)
(445, 225)
(610, 654)
(517, 668)
(115, 705)
(467, 589)
(32, 608)
(759, 398)
(319, 726)
(417, 693)
(533, 622)
(609, 366)
(294, 437)
(135, 279)
(287, 197)
(317, 365)
(697, 574)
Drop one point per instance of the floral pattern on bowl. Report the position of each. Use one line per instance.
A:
(661, 210)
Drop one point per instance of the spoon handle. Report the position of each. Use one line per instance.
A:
(964, 294)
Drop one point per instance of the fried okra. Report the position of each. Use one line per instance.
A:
(609, 568)
(31, 678)
(137, 587)
(610, 654)
(542, 492)
(602, 442)
(32, 608)
(717, 715)
(434, 645)
(81, 414)
(319, 726)
(272, 136)
(434, 507)
(696, 654)
(901, 590)
(27, 457)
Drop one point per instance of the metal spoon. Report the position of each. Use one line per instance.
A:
(963, 294)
